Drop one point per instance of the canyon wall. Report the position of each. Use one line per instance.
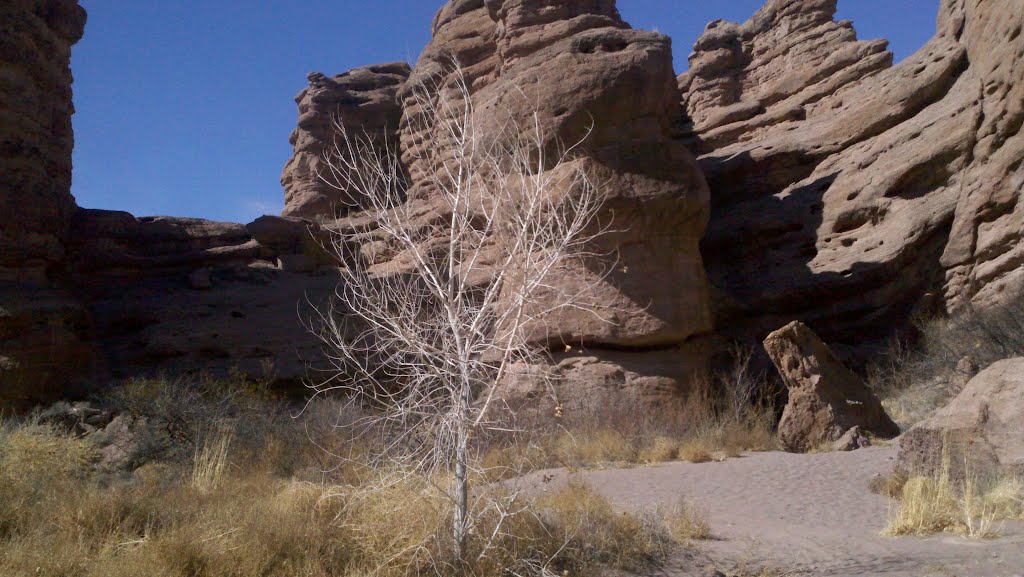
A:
(793, 173)
(42, 326)
(848, 192)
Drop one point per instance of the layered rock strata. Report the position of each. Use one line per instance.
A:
(848, 192)
(364, 100)
(178, 296)
(588, 76)
(841, 189)
(42, 325)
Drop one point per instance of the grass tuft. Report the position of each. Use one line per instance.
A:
(929, 505)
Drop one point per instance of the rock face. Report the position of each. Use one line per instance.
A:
(179, 296)
(982, 427)
(794, 166)
(847, 192)
(364, 100)
(41, 324)
(580, 67)
(35, 129)
(826, 399)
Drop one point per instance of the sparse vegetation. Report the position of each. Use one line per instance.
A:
(890, 485)
(720, 418)
(225, 508)
(936, 504)
(686, 522)
(914, 381)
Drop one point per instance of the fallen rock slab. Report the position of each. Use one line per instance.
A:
(826, 399)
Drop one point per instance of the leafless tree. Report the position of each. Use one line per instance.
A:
(427, 338)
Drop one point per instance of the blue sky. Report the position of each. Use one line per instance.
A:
(185, 107)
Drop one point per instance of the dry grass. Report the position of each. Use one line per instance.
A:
(696, 450)
(211, 462)
(890, 485)
(686, 523)
(720, 418)
(231, 511)
(921, 374)
(972, 508)
(592, 533)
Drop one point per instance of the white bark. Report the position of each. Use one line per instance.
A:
(427, 343)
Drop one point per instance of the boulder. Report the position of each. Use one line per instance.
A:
(980, 430)
(852, 440)
(826, 399)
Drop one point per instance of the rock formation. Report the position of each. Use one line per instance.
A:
(982, 428)
(35, 160)
(179, 296)
(42, 326)
(794, 166)
(846, 191)
(826, 399)
(364, 100)
(586, 73)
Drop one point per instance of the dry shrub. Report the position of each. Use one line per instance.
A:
(971, 508)
(581, 530)
(917, 376)
(696, 450)
(685, 522)
(37, 463)
(720, 417)
(597, 447)
(226, 514)
(890, 485)
(180, 416)
(659, 449)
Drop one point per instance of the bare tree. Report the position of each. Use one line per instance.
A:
(427, 338)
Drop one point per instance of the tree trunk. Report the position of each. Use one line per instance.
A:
(460, 521)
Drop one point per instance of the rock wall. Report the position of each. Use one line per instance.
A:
(36, 136)
(41, 324)
(179, 296)
(581, 68)
(847, 192)
(794, 166)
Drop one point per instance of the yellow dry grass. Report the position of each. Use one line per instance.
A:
(685, 522)
(700, 428)
(972, 508)
(61, 517)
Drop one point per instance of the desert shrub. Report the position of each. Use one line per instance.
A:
(222, 513)
(720, 417)
(685, 522)
(37, 463)
(180, 414)
(918, 375)
(890, 485)
(581, 530)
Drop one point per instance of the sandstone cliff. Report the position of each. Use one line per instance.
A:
(847, 192)
(583, 70)
(41, 325)
(365, 100)
(793, 173)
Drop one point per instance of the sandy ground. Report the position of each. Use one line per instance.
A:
(800, 515)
